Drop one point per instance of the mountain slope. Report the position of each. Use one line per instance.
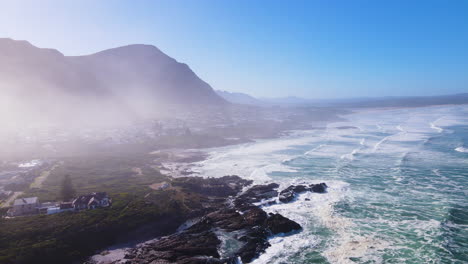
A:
(239, 98)
(126, 81)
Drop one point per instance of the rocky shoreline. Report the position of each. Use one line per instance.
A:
(230, 228)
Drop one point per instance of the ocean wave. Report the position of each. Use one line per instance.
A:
(333, 228)
(461, 149)
(377, 145)
(436, 172)
(362, 142)
(383, 140)
(433, 126)
(315, 149)
(399, 127)
(350, 156)
(308, 209)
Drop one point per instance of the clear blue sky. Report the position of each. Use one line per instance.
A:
(314, 49)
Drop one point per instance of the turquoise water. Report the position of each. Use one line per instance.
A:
(398, 187)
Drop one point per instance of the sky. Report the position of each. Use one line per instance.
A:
(274, 48)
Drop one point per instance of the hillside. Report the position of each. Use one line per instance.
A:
(240, 98)
(128, 81)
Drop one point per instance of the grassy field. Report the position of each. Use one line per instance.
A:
(37, 183)
(111, 174)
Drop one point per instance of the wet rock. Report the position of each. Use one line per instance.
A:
(288, 194)
(176, 248)
(129, 255)
(199, 243)
(260, 192)
(256, 242)
(318, 188)
(221, 187)
(277, 223)
(255, 216)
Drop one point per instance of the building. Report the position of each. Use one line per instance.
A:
(25, 206)
(91, 201)
(62, 207)
(44, 207)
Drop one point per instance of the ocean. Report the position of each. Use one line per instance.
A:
(398, 186)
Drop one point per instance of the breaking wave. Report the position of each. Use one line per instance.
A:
(461, 149)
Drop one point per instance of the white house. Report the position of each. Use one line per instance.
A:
(25, 206)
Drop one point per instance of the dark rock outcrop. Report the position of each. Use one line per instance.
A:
(251, 225)
(287, 195)
(280, 224)
(220, 187)
(256, 194)
(318, 188)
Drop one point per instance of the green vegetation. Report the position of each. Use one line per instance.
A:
(111, 174)
(65, 237)
(137, 212)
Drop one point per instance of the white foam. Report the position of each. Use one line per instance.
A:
(377, 145)
(399, 127)
(350, 156)
(335, 147)
(110, 256)
(308, 210)
(436, 172)
(255, 160)
(32, 163)
(462, 149)
(310, 152)
(362, 142)
(435, 127)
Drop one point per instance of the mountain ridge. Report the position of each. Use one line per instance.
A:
(134, 79)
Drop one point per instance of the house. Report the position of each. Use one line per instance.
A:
(62, 207)
(24, 206)
(66, 206)
(44, 207)
(91, 201)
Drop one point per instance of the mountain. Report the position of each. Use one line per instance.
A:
(126, 81)
(402, 101)
(239, 98)
(363, 102)
(289, 100)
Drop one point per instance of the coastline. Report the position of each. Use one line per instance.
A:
(232, 215)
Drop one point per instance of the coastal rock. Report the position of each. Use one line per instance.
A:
(199, 243)
(318, 188)
(220, 187)
(255, 216)
(280, 224)
(288, 194)
(260, 192)
(256, 242)
(177, 248)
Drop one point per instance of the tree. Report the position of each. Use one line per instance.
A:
(67, 192)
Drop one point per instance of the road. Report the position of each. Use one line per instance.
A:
(11, 199)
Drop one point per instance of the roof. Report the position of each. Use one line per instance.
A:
(93, 201)
(66, 206)
(86, 199)
(83, 199)
(24, 201)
